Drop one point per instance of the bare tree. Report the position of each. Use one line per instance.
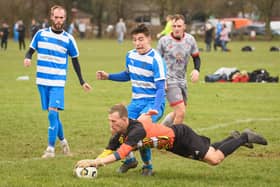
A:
(108, 11)
(266, 7)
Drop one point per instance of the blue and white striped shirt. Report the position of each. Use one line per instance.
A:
(52, 56)
(144, 71)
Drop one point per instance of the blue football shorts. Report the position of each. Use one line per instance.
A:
(137, 107)
(51, 96)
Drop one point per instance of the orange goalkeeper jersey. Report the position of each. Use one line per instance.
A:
(141, 134)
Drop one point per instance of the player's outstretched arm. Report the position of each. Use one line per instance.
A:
(102, 75)
(86, 87)
(98, 162)
(122, 76)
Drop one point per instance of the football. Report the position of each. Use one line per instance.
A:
(88, 172)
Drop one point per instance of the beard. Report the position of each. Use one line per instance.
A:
(58, 26)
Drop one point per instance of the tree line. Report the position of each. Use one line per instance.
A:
(108, 11)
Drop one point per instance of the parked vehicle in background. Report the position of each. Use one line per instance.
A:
(259, 29)
(275, 27)
(236, 26)
(197, 28)
(276, 32)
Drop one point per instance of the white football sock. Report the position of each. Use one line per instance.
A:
(64, 141)
(50, 149)
(168, 120)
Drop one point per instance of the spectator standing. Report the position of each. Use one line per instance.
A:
(120, 30)
(5, 34)
(71, 28)
(82, 29)
(110, 30)
(15, 31)
(21, 35)
(34, 27)
(45, 23)
(217, 42)
(224, 38)
(208, 36)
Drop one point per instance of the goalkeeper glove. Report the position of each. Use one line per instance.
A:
(105, 153)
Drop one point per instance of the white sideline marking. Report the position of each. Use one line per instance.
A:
(28, 159)
(240, 121)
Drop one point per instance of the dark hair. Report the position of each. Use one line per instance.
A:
(120, 108)
(141, 28)
(177, 17)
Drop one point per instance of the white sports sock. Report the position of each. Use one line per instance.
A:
(130, 155)
(64, 141)
(168, 120)
(50, 149)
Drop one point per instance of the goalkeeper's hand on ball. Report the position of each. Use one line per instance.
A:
(85, 163)
(90, 163)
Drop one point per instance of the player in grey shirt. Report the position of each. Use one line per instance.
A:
(176, 48)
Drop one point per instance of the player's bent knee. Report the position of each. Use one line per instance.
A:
(214, 162)
(52, 115)
(214, 157)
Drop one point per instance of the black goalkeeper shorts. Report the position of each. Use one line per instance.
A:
(189, 144)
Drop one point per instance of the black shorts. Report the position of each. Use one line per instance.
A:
(189, 144)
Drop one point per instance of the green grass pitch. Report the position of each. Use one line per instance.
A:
(214, 110)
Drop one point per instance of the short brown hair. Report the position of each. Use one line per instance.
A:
(57, 7)
(120, 108)
(169, 17)
(141, 28)
(177, 17)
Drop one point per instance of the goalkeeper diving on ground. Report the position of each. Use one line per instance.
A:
(179, 139)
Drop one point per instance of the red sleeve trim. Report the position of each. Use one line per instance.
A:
(176, 103)
(195, 54)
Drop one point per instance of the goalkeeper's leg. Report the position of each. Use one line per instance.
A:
(146, 155)
(129, 163)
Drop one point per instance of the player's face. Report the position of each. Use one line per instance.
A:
(58, 19)
(117, 124)
(141, 43)
(178, 28)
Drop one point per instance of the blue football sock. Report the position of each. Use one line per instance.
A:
(60, 132)
(130, 158)
(146, 155)
(148, 166)
(53, 127)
